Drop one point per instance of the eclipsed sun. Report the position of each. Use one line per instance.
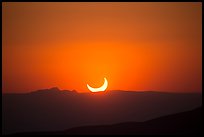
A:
(102, 88)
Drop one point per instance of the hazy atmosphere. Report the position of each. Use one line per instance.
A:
(136, 46)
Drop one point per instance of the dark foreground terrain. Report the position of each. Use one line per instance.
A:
(186, 123)
(58, 110)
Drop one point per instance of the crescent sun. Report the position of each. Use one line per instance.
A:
(102, 88)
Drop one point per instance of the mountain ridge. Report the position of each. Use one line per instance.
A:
(57, 90)
(175, 124)
(59, 109)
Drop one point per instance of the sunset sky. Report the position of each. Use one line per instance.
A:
(136, 46)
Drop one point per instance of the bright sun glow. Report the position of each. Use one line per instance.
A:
(102, 88)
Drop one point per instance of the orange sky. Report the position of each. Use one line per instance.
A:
(136, 46)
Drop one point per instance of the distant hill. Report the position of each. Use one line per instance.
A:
(52, 91)
(185, 123)
(54, 109)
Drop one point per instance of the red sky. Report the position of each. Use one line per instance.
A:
(136, 46)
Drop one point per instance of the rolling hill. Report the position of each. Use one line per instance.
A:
(57, 110)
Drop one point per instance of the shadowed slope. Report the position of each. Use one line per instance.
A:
(185, 123)
(55, 110)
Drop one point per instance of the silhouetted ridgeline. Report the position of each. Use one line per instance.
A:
(57, 110)
(185, 123)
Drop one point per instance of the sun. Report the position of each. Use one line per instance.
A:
(102, 88)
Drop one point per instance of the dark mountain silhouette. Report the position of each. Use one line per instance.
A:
(185, 123)
(56, 110)
(52, 91)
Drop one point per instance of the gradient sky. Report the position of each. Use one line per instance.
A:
(136, 46)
